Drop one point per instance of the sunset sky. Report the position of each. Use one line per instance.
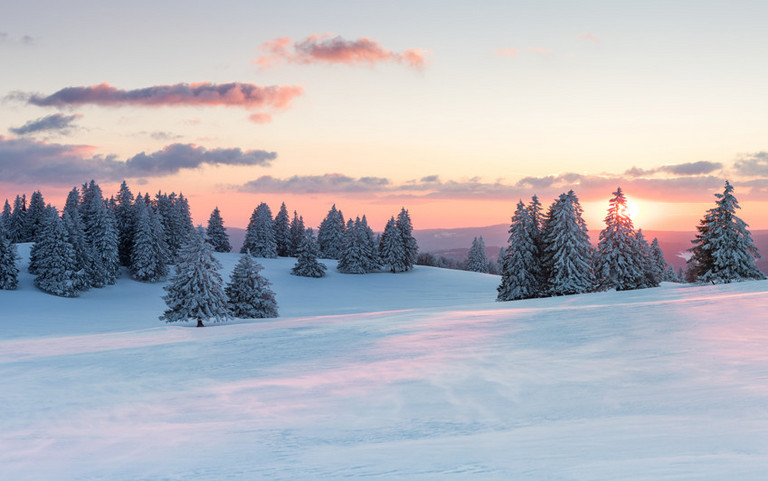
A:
(455, 110)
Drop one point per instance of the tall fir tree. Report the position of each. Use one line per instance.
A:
(35, 217)
(307, 264)
(102, 236)
(330, 235)
(260, 235)
(73, 225)
(248, 293)
(297, 234)
(282, 226)
(521, 264)
(196, 290)
(645, 262)
(216, 234)
(125, 219)
(619, 263)
(410, 247)
(370, 246)
(150, 255)
(477, 259)
(9, 271)
(16, 229)
(57, 269)
(724, 251)
(568, 253)
(5, 218)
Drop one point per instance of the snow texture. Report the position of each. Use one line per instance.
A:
(420, 376)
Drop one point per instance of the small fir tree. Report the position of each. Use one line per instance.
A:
(16, 230)
(307, 264)
(477, 259)
(35, 217)
(659, 267)
(125, 219)
(282, 227)
(354, 257)
(248, 292)
(410, 247)
(196, 291)
(216, 234)
(391, 249)
(297, 234)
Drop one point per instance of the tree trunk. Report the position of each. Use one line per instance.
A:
(200, 323)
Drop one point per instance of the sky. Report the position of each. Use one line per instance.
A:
(454, 110)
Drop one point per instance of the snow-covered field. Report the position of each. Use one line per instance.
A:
(399, 377)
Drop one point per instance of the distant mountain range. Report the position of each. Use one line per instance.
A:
(455, 243)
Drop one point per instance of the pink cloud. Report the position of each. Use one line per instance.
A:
(330, 49)
(507, 52)
(588, 37)
(234, 94)
(260, 118)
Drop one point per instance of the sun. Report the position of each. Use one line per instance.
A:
(633, 211)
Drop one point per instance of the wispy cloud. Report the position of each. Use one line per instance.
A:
(330, 49)
(589, 37)
(316, 184)
(702, 167)
(755, 164)
(55, 123)
(29, 161)
(507, 52)
(540, 50)
(6, 38)
(234, 94)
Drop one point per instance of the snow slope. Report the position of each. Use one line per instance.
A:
(400, 377)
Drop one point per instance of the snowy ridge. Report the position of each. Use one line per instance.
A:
(388, 376)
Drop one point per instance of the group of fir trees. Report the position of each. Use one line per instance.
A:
(551, 254)
(196, 291)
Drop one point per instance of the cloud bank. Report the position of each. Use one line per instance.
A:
(29, 161)
(234, 94)
(55, 123)
(331, 49)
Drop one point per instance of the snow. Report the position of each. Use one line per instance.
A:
(414, 376)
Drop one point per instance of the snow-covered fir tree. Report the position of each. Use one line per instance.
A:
(150, 255)
(354, 255)
(648, 278)
(282, 226)
(35, 217)
(5, 217)
(724, 251)
(410, 247)
(370, 246)
(196, 290)
(307, 264)
(567, 251)
(57, 269)
(391, 248)
(216, 234)
(521, 264)
(330, 235)
(260, 235)
(297, 234)
(477, 259)
(619, 263)
(248, 292)
(76, 237)
(659, 266)
(9, 271)
(125, 219)
(16, 228)
(101, 233)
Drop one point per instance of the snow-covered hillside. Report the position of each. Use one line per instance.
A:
(398, 377)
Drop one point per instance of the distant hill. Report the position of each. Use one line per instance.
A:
(455, 243)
